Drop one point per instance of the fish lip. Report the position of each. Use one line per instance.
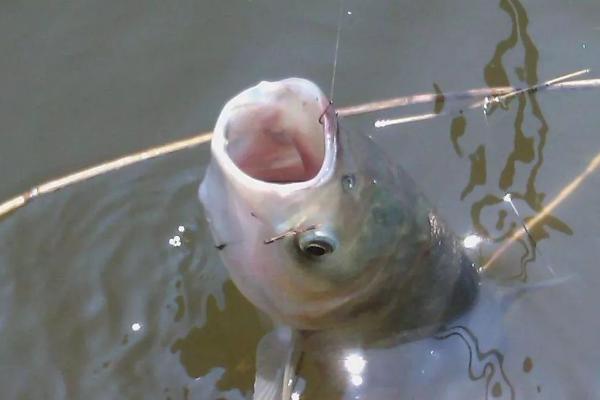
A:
(328, 120)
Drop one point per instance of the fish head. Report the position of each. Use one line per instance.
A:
(312, 222)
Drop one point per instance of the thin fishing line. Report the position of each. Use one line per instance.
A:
(337, 47)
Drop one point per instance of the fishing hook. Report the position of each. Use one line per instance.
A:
(325, 111)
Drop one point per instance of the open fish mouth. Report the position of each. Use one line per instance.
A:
(318, 228)
(278, 132)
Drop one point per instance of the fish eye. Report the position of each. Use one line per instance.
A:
(316, 243)
(318, 248)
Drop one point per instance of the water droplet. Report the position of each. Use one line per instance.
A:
(527, 364)
(497, 390)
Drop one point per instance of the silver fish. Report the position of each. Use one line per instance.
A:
(320, 230)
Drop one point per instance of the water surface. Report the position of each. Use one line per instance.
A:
(112, 289)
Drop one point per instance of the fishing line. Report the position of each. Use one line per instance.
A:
(508, 199)
(337, 47)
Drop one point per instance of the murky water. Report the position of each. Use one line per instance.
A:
(112, 289)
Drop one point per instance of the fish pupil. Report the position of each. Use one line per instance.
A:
(316, 243)
(318, 248)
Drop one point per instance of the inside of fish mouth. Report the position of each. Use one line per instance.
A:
(279, 144)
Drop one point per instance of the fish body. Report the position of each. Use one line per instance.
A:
(319, 229)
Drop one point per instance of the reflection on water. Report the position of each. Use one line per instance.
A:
(487, 365)
(525, 159)
(224, 342)
(107, 287)
(110, 288)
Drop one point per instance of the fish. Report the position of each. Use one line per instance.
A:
(321, 231)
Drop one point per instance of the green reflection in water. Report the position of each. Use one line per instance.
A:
(528, 147)
(457, 130)
(438, 106)
(483, 365)
(478, 171)
(236, 329)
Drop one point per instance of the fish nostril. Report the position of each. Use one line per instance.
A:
(316, 243)
(348, 182)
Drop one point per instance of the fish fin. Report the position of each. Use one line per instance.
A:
(291, 366)
(529, 286)
(508, 292)
(276, 353)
